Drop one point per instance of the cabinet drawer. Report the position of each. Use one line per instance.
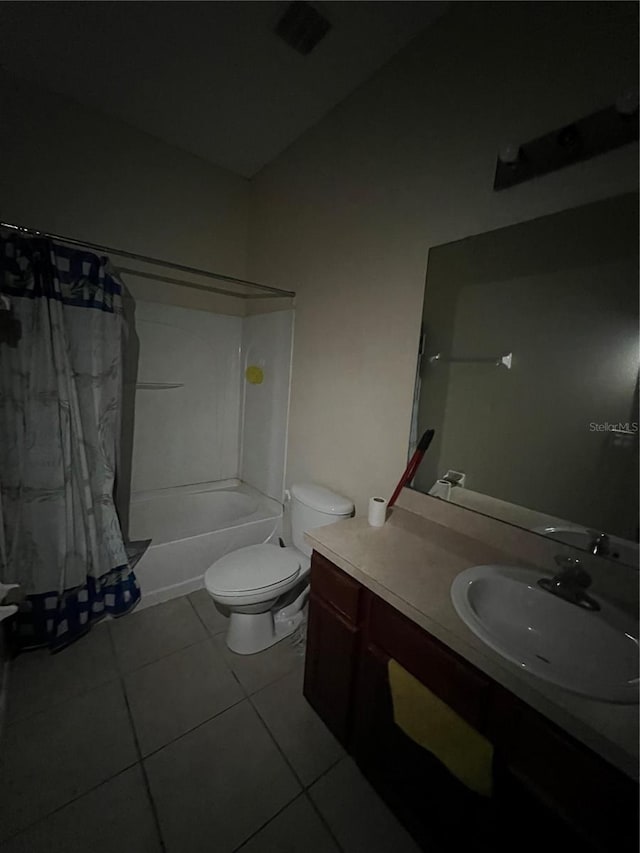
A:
(458, 684)
(335, 587)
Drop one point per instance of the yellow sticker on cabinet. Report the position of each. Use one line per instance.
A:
(254, 374)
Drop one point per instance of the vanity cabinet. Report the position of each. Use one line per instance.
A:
(548, 788)
(332, 645)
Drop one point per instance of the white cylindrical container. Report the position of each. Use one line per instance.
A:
(377, 511)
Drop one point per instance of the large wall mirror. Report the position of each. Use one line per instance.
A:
(528, 373)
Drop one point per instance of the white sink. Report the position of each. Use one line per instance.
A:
(587, 652)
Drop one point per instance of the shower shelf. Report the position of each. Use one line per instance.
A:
(159, 386)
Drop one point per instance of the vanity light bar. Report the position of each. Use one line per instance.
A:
(595, 134)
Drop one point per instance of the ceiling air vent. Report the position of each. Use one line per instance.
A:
(302, 27)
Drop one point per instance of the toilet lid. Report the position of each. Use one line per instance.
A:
(252, 568)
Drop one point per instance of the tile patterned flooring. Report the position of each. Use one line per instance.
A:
(149, 735)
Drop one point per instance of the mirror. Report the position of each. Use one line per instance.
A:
(528, 373)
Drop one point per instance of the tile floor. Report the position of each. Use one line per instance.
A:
(149, 735)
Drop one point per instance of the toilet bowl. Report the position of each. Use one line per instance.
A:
(253, 581)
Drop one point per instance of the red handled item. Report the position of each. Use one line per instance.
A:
(414, 464)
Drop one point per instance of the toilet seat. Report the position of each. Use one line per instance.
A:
(263, 569)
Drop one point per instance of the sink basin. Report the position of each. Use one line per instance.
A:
(591, 653)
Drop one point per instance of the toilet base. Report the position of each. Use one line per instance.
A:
(252, 632)
(249, 633)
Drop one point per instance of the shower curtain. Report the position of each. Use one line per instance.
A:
(61, 330)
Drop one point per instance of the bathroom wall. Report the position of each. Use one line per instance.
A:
(75, 171)
(266, 343)
(91, 176)
(347, 214)
(99, 179)
(190, 433)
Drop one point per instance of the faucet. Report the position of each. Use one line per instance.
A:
(570, 583)
(599, 543)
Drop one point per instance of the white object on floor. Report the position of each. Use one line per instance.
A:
(252, 580)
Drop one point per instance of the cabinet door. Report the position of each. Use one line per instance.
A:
(330, 666)
(336, 588)
(593, 797)
(451, 678)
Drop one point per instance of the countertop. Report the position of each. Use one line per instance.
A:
(411, 562)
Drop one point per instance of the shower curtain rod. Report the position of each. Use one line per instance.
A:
(272, 292)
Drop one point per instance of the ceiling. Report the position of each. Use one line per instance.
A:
(209, 77)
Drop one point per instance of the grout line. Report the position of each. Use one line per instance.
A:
(145, 778)
(199, 617)
(277, 745)
(119, 673)
(188, 645)
(305, 788)
(56, 704)
(63, 806)
(119, 676)
(276, 678)
(11, 720)
(223, 651)
(193, 728)
(125, 673)
(324, 772)
(321, 817)
(316, 808)
(267, 822)
(212, 639)
(238, 682)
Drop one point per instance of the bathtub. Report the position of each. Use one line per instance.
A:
(191, 527)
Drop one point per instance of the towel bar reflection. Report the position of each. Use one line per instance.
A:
(159, 386)
(497, 360)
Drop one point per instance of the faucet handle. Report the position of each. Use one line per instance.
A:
(599, 543)
(571, 570)
(565, 561)
(598, 534)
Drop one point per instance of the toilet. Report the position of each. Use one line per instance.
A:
(251, 582)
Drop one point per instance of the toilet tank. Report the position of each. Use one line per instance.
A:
(314, 506)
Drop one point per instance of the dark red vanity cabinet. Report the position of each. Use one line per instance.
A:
(332, 645)
(549, 789)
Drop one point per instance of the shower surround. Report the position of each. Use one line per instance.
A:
(208, 456)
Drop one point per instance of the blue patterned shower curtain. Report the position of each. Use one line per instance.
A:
(61, 328)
